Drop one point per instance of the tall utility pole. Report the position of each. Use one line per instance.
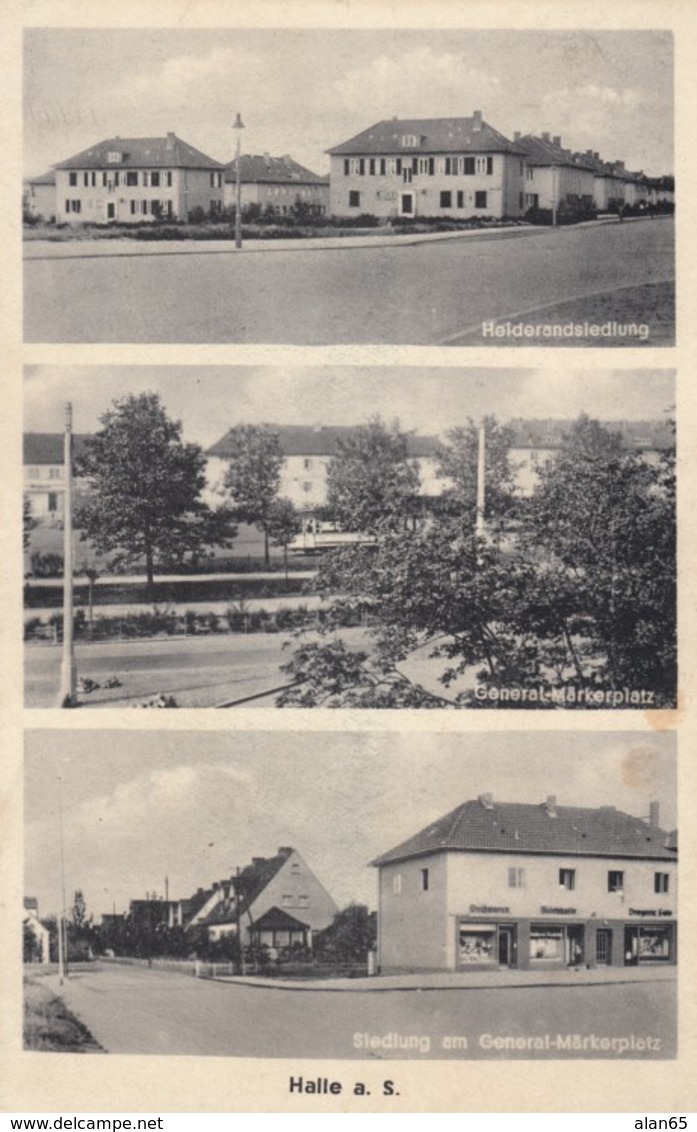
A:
(481, 490)
(238, 126)
(68, 667)
(62, 939)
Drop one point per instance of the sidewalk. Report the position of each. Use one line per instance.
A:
(465, 980)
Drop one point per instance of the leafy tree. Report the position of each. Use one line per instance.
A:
(457, 461)
(31, 948)
(350, 936)
(79, 910)
(144, 485)
(29, 522)
(372, 484)
(283, 525)
(253, 476)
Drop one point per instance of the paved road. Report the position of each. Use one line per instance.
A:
(420, 294)
(199, 672)
(132, 1010)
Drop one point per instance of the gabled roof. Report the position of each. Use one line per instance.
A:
(542, 151)
(254, 878)
(512, 827)
(47, 447)
(169, 152)
(255, 169)
(323, 440)
(435, 135)
(278, 920)
(31, 904)
(43, 179)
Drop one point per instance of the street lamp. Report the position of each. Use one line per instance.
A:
(238, 125)
(68, 667)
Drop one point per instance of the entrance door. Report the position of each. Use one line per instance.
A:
(574, 945)
(603, 947)
(407, 204)
(111, 210)
(507, 956)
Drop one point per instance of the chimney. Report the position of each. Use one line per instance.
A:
(545, 136)
(477, 121)
(487, 801)
(654, 815)
(589, 153)
(596, 155)
(557, 140)
(619, 164)
(256, 861)
(169, 142)
(285, 850)
(516, 136)
(551, 806)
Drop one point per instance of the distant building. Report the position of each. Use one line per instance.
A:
(459, 167)
(41, 934)
(279, 183)
(511, 885)
(130, 180)
(555, 179)
(40, 196)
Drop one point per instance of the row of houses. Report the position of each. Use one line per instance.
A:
(434, 167)
(308, 451)
(489, 885)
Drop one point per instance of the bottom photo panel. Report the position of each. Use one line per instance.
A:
(351, 895)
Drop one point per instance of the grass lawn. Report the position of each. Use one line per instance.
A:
(49, 1025)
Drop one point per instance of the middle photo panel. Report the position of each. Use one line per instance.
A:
(349, 537)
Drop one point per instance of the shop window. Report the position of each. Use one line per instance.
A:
(546, 943)
(661, 882)
(476, 945)
(615, 881)
(516, 878)
(424, 880)
(567, 879)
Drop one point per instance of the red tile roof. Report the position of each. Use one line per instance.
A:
(436, 135)
(141, 153)
(511, 827)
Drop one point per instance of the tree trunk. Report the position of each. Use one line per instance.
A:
(267, 558)
(149, 569)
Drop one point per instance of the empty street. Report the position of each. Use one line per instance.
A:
(133, 1010)
(434, 292)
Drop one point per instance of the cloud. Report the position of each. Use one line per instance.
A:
(419, 83)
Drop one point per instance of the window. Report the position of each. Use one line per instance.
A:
(155, 180)
(354, 199)
(215, 180)
(132, 177)
(446, 199)
(480, 199)
(113, 157)
(303, 901)
(347, 167)
(287, 900)
(424, 880)
(406, 176)
(546, 943)
(529, 174)
(397, 884)
(73, 206)
(484, 164)
(307, 462)
(354, 165)
(72, 178)
(423, 165)
(409, 140)
(516, 878)
(371, 167)
(56, 473)
(469, 167)
(86, 180)
(661, 882)
(615, 881)
(567, 879)
(168, 177)
(52, 501)
(460, 199)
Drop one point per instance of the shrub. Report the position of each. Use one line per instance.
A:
(46, 565)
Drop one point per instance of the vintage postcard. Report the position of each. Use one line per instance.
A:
(349, 403)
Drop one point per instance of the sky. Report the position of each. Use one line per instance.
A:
(302, 91)
(210, 399)
(142, 805)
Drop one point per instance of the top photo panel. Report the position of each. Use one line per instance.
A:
(325, 187)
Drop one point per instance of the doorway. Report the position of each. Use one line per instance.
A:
(603, 947)
(507, 947)
(407, 204)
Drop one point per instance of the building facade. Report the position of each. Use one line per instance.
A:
(458, 167)
(40, 196)
(555, 179)
(507, 885)
(131, 180)
(277, 183)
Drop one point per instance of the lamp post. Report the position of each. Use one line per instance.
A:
(238, 125)
(68, 667)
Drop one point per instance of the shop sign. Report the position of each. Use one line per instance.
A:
(651, 912)
(547, 910)
(489, 910)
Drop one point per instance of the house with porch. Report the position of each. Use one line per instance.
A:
(131, 180)
(274, 901)
(277, 183)
(515, 885)
(410, 167)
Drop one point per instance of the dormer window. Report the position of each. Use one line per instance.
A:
(410, 141)
(114, 157)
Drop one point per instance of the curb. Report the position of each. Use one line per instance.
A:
(316, 988)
